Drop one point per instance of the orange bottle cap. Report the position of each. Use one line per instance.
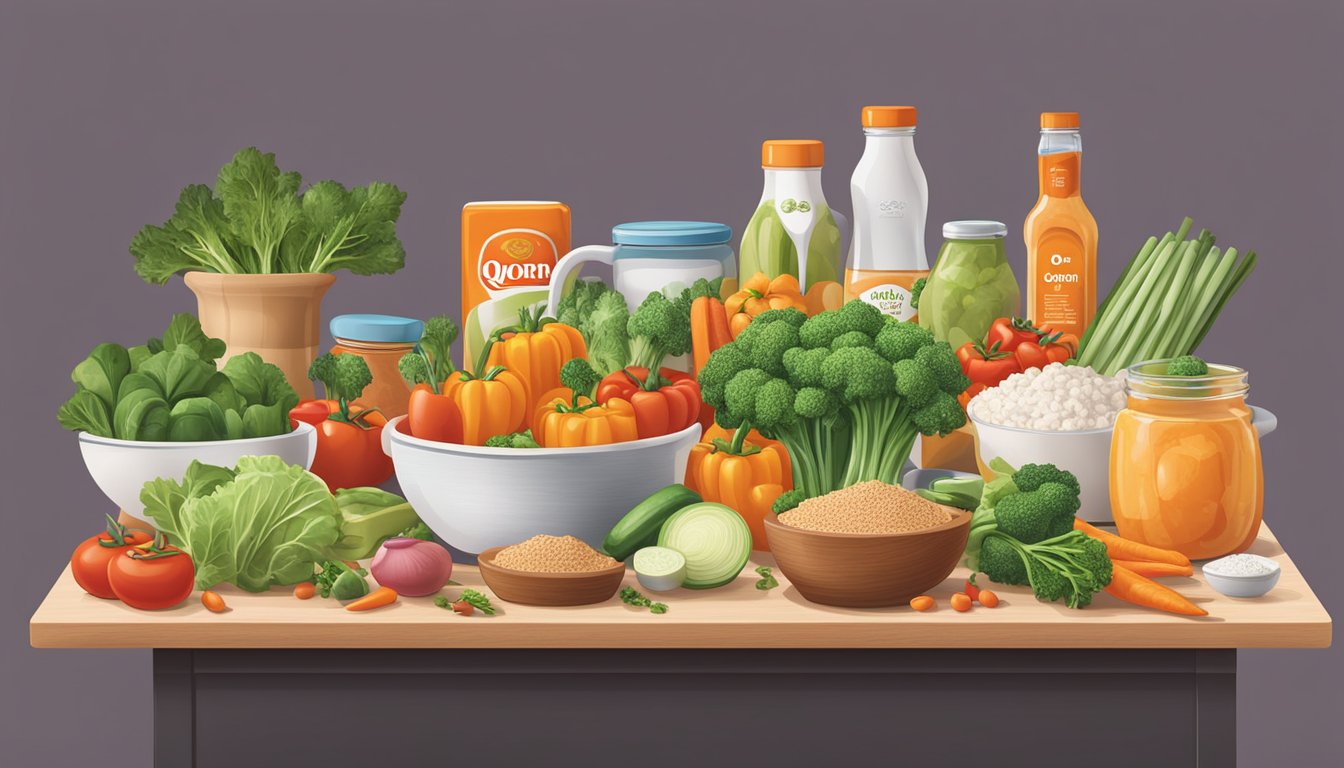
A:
(1059, 120)
(792, 153)
(888, 117)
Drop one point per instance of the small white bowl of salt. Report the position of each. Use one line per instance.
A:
(1242, 575)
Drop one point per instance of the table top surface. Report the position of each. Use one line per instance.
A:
(735, 616)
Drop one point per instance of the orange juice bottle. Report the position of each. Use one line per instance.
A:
(509, 250)
(1061, 234)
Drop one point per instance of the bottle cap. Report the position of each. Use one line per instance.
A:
(1059, 120)
(384, 329)
(974, 229)
(888, 117)
(792, 153)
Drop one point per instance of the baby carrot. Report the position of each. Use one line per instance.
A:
(1123, 549)
(304, 590)
(1133, 588)
(988, 598)
(1153, 570)
(213, 602)
(922, 603)
(375, 599)
(961, 602)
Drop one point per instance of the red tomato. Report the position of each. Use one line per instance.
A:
(1031, 355)
(313, 411)
(971, 590)
(1009, 332)
(152, 579)
(433, 417)
(986, 366)
(668, 409)
(350, 454)
(89, 562)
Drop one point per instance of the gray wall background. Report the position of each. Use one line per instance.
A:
(1226, 111)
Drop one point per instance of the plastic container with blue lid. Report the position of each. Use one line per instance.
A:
(669, 233)
(381, 340)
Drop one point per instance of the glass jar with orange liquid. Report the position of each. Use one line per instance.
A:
(1185, 462)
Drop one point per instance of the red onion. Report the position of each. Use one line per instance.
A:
(412, 567)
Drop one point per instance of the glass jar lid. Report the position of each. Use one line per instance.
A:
(974, 229)
(1151, 380)
(385, 329)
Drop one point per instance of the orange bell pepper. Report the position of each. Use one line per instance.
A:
(760, 293)
(534, 350)
(494, 403)
(559, 424)
(741, 470)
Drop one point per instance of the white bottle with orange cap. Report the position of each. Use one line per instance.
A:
(891, 204)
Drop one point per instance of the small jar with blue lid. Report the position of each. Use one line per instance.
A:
(381, 340)
(648, 256)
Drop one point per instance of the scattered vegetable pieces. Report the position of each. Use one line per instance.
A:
(767, 580)
(961, 602)
(632, 596)
(988, 599)
(213, 602)
(466, 603)
(378, 598)
(305, 590)
(923, 603)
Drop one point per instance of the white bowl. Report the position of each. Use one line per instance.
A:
(122, 467)
(1085, 453)
(476, 498)
(1243, 586)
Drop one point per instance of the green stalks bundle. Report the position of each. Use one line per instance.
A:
(1165, 302)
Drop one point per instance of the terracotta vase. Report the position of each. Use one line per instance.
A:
(277, 316)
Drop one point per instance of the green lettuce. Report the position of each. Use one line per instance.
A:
(262, 524)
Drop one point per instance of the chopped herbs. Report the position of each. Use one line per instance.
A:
(632, 596)
(465, 603)
(767, 580)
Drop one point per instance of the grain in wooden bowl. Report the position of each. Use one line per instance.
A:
(867, 546)
(550, 570)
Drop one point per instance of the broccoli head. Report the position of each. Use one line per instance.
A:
(343, 376)
(916, 291)
(940, 417)
(580, 378)
(575, 306)
(739, 396)
(723, 364)
(803, 366)
(1001, 561)
(815, 403)
(414, 369)
(604, 329)
(821, 329)
(659, 328)
(790, 315)
(901, 340)
(774, 408)
(1037, 515)
(859, 315)
(787, 500)
(852, 339)
(1033, 476)
(857, 373)
(770, 343)
(915, 383)
(942, 362)
(1187, 365)
(436, 344)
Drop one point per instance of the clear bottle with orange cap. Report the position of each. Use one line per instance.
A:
(793, 232)
(1060, 233)
(891, 205)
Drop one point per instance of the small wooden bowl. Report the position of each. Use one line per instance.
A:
(528, 588)
(856, 570)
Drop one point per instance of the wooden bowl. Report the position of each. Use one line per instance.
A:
(856, 570)
(530, 588)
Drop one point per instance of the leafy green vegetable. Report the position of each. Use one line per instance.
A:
(266, 525)
(632, 596)
(328, 582)
(256, 222)
(600, 313)
(168, 389)
(418, 531)
(432, 361)
(522, 439)
(767, 580)
(370, 516)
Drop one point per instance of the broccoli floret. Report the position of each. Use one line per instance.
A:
(658, 329)
(724, 363)
(575, 306)
(432, 361)
(1187, 365)
(857, 373)
(774, 406)
(804, 366)
(858, 315)
(1002, 562)
(915, 383)
(791, 316)
(604, 330)
(852, 339)
(515, 440)
(901, 341)
(815, 403)
(916, 291)
(821, 329)
(1071, 567)
(1033, 476)
(414, 369)
(771, 342)
(580, 378)
(344, 378)
(942, 362)
(1037, 515)
(739, 396)
(940, 417)
(787, 500)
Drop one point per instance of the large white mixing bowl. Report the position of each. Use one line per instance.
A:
(122, 467)
(476, 498)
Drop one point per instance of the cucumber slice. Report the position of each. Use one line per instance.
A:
(639, 528)
(714, 539)
(659, 569)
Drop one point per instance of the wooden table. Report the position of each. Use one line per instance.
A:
(728, 674)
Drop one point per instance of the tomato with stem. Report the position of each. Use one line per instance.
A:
(152, 576)
(89, 562)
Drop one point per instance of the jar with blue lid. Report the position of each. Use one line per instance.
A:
(648, 256)
(381, 340)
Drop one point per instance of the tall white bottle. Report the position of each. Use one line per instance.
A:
(891, 206)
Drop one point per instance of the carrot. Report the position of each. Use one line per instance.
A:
(1132, 588)
(961, 602)
(213, 602)
(709, 329)
(304, 590)
(1154, 570)
(921, 603)
(375, 599)
(989, 599)
(1120, 548)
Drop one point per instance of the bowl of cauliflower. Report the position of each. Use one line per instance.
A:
(1061, 415)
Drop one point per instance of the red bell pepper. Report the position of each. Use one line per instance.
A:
(670, 407)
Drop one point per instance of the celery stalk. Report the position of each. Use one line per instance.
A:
(1118, 336)
(1204, 305)
(1148, 308)
(1134, 266)
(1120, 299)
(1243, 271)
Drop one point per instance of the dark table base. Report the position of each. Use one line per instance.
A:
(695, 708)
